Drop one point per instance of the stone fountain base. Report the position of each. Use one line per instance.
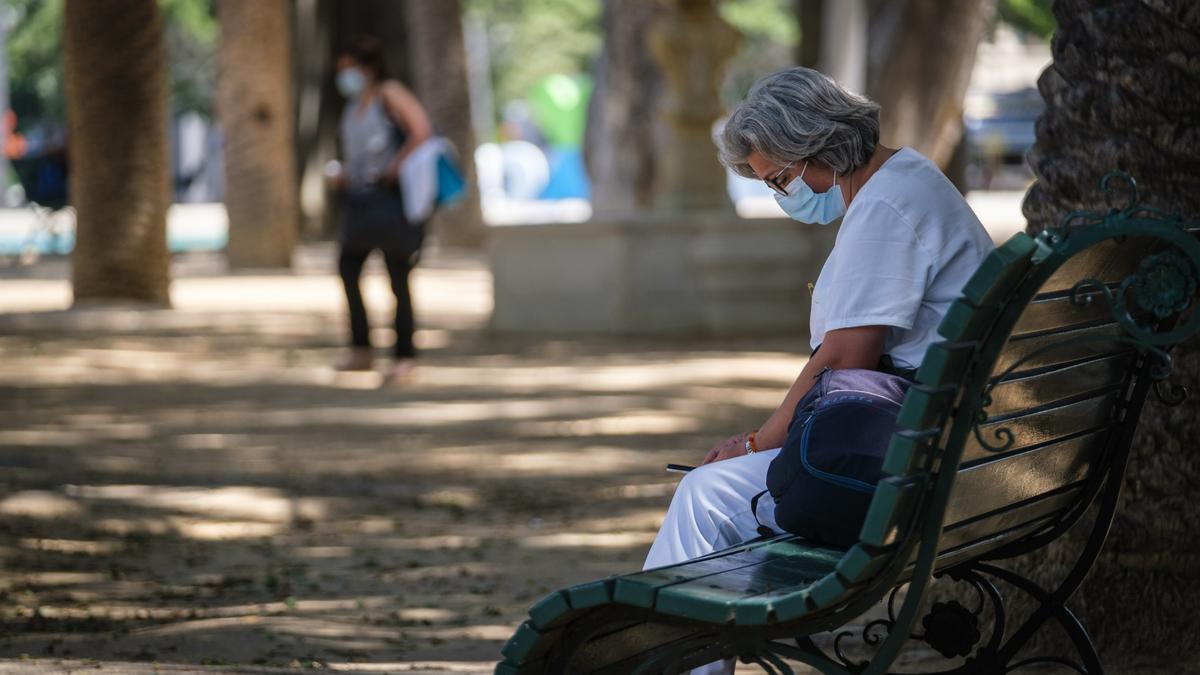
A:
(686, 275)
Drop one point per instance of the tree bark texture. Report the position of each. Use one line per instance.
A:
(256, 109)
(922, 54)
(624, 116)
(1123, 93)
(439, 70)
(116, 77)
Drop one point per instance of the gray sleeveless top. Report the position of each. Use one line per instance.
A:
(369, 142)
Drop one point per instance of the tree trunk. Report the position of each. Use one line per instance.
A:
(116, 72)
(255, 107)
(624, 112)
(317, 108)
(811, 14)
(439, 67)
(922, 54)
(1122, 94)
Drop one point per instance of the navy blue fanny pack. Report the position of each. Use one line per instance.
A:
(824, 477)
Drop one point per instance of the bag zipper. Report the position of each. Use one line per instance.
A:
(844, 481)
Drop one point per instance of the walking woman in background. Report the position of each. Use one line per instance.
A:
(381, 124)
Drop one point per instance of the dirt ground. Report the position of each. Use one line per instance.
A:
(197, 486)
(195, 490)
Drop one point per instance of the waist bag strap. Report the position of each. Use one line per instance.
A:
(763, 531)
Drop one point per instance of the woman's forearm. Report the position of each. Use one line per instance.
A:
(858, 347)
(774, 431)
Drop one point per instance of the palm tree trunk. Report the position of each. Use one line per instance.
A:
(1122, 94)
(439, 69)
(255, 106)
(116, 72)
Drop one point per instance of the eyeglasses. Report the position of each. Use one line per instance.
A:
(773, 181)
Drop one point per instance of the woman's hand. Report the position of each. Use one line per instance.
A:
(734, 446)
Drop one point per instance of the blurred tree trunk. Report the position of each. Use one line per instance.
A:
(922, 54)
(624, 111)
(439, 70)
(116, 72)
(317, 108)
(1122, 94)
(811, 14)
(255, 107)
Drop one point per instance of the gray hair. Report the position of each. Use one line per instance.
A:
(798, 114)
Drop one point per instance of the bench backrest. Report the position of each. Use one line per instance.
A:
(1027, 408)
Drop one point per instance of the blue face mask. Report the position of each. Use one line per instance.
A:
(806, 206)
(351, 82)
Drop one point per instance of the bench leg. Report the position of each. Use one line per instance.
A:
(1051, 607)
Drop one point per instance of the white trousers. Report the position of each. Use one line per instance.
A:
(711, 511)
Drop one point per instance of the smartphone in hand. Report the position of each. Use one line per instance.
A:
(679, 468)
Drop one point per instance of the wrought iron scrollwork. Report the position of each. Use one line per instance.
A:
(872, 634)
(1155, 306)
(952, 628)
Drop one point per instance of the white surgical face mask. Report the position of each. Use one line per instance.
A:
(351, 82)
(806, 206)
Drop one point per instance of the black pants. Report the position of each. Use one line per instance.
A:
(399, 260)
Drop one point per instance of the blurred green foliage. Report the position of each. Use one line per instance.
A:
(35, 60)
(192, 42)
(35, 57)
(773, 20)
(531, 39)
(1032, 16)
(770, 34)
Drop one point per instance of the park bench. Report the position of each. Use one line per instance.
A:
(1019, 422)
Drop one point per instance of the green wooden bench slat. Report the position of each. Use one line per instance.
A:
(590, 594)
(1000, 270)
(549, 609)
(860, 565)
(924, 407)
(963, 319)
(712, 598)
(641, 589)
(1042, 427)
(986, 292)
(909, 451)
(522, 644)
(764, 609)
(891, 506)
(945, 363)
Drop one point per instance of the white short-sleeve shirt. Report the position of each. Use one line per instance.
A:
(905, 248)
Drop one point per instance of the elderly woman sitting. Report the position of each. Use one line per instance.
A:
(906, 245)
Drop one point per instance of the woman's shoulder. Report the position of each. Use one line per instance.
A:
(915, 188)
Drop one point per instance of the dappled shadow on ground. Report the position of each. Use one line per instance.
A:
(197, 486)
